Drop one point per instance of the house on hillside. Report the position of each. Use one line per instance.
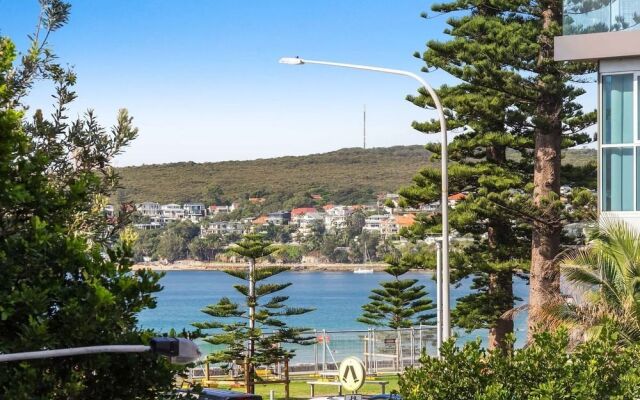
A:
(279, 218)
(373, 223)
(148, 209)
(259, 220)
(306, 222)
(298, 213)
(256, 200)
(336, 217)
(194, 211)
(430, 208)
(219, 209)
(148, 226)
(223, 228)
(171, 212)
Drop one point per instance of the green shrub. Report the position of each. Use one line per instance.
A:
(545, 370)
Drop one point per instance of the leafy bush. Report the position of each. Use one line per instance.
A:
(597, 369)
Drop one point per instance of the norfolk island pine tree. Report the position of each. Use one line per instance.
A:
(398, 303)
(254, 334)
(515, 98)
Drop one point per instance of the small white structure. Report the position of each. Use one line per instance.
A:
(223, 228)
(374, 223)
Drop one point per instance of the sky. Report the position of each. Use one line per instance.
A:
(202, 78)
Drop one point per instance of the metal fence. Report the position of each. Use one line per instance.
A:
(381, 349)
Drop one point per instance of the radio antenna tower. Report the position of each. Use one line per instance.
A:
(364, 126)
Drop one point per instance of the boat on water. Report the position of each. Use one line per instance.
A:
(361, 270)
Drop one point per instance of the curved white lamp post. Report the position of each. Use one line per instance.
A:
(444, 321)
(178, 350)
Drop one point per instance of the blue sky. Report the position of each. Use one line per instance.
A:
(202, 78)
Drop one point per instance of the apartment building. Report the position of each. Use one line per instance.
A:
(609, 32)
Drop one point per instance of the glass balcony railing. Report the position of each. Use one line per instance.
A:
(590, 16)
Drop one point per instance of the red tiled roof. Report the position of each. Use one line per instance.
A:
(328, 207)
(302, 211)
(457, 196)
(261, 220)
(405, 220)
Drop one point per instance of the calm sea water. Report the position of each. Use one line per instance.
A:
(336, 296)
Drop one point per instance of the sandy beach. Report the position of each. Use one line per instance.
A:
(192, 265)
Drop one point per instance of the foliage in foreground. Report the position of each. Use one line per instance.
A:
(66, 276)
(604, 276)
(597, 369)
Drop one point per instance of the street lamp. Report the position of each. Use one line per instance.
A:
(444, 324)
(178, 350)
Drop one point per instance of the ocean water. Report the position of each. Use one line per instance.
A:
(337, 298)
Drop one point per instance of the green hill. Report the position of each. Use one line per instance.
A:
(345, 176)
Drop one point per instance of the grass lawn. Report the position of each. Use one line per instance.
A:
(299, 389)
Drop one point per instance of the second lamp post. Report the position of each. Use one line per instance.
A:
(443, 307)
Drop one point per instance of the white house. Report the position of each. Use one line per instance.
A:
(336, 217)
(171, 212)
(194, 211)
(373, 223)
(306, 222)
(149, 209)
(223, 228)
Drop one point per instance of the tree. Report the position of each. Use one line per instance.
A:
(172, 247)
(513, 96)
(66, 268)
(598, 369)
(398, 303)
(215, 195)
(604, 276)
(174, 241)
(205, 248)
(245, 339)
(146, 244)
(355, 223)
(364, 248)
(289, 253)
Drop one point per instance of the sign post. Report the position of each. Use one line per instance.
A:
(351, 375)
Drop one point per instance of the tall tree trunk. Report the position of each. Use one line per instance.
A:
(500, 283)
(501, 286)
(544, 276)
(252, 324)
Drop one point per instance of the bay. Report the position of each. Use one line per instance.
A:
(337, 298)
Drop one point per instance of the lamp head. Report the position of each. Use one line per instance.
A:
(178, 350)
(291, 61)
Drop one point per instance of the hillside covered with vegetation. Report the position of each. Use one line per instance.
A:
(347, 176)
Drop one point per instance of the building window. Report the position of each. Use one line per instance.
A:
(617, 178)
(618, 108)
(620, 157)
